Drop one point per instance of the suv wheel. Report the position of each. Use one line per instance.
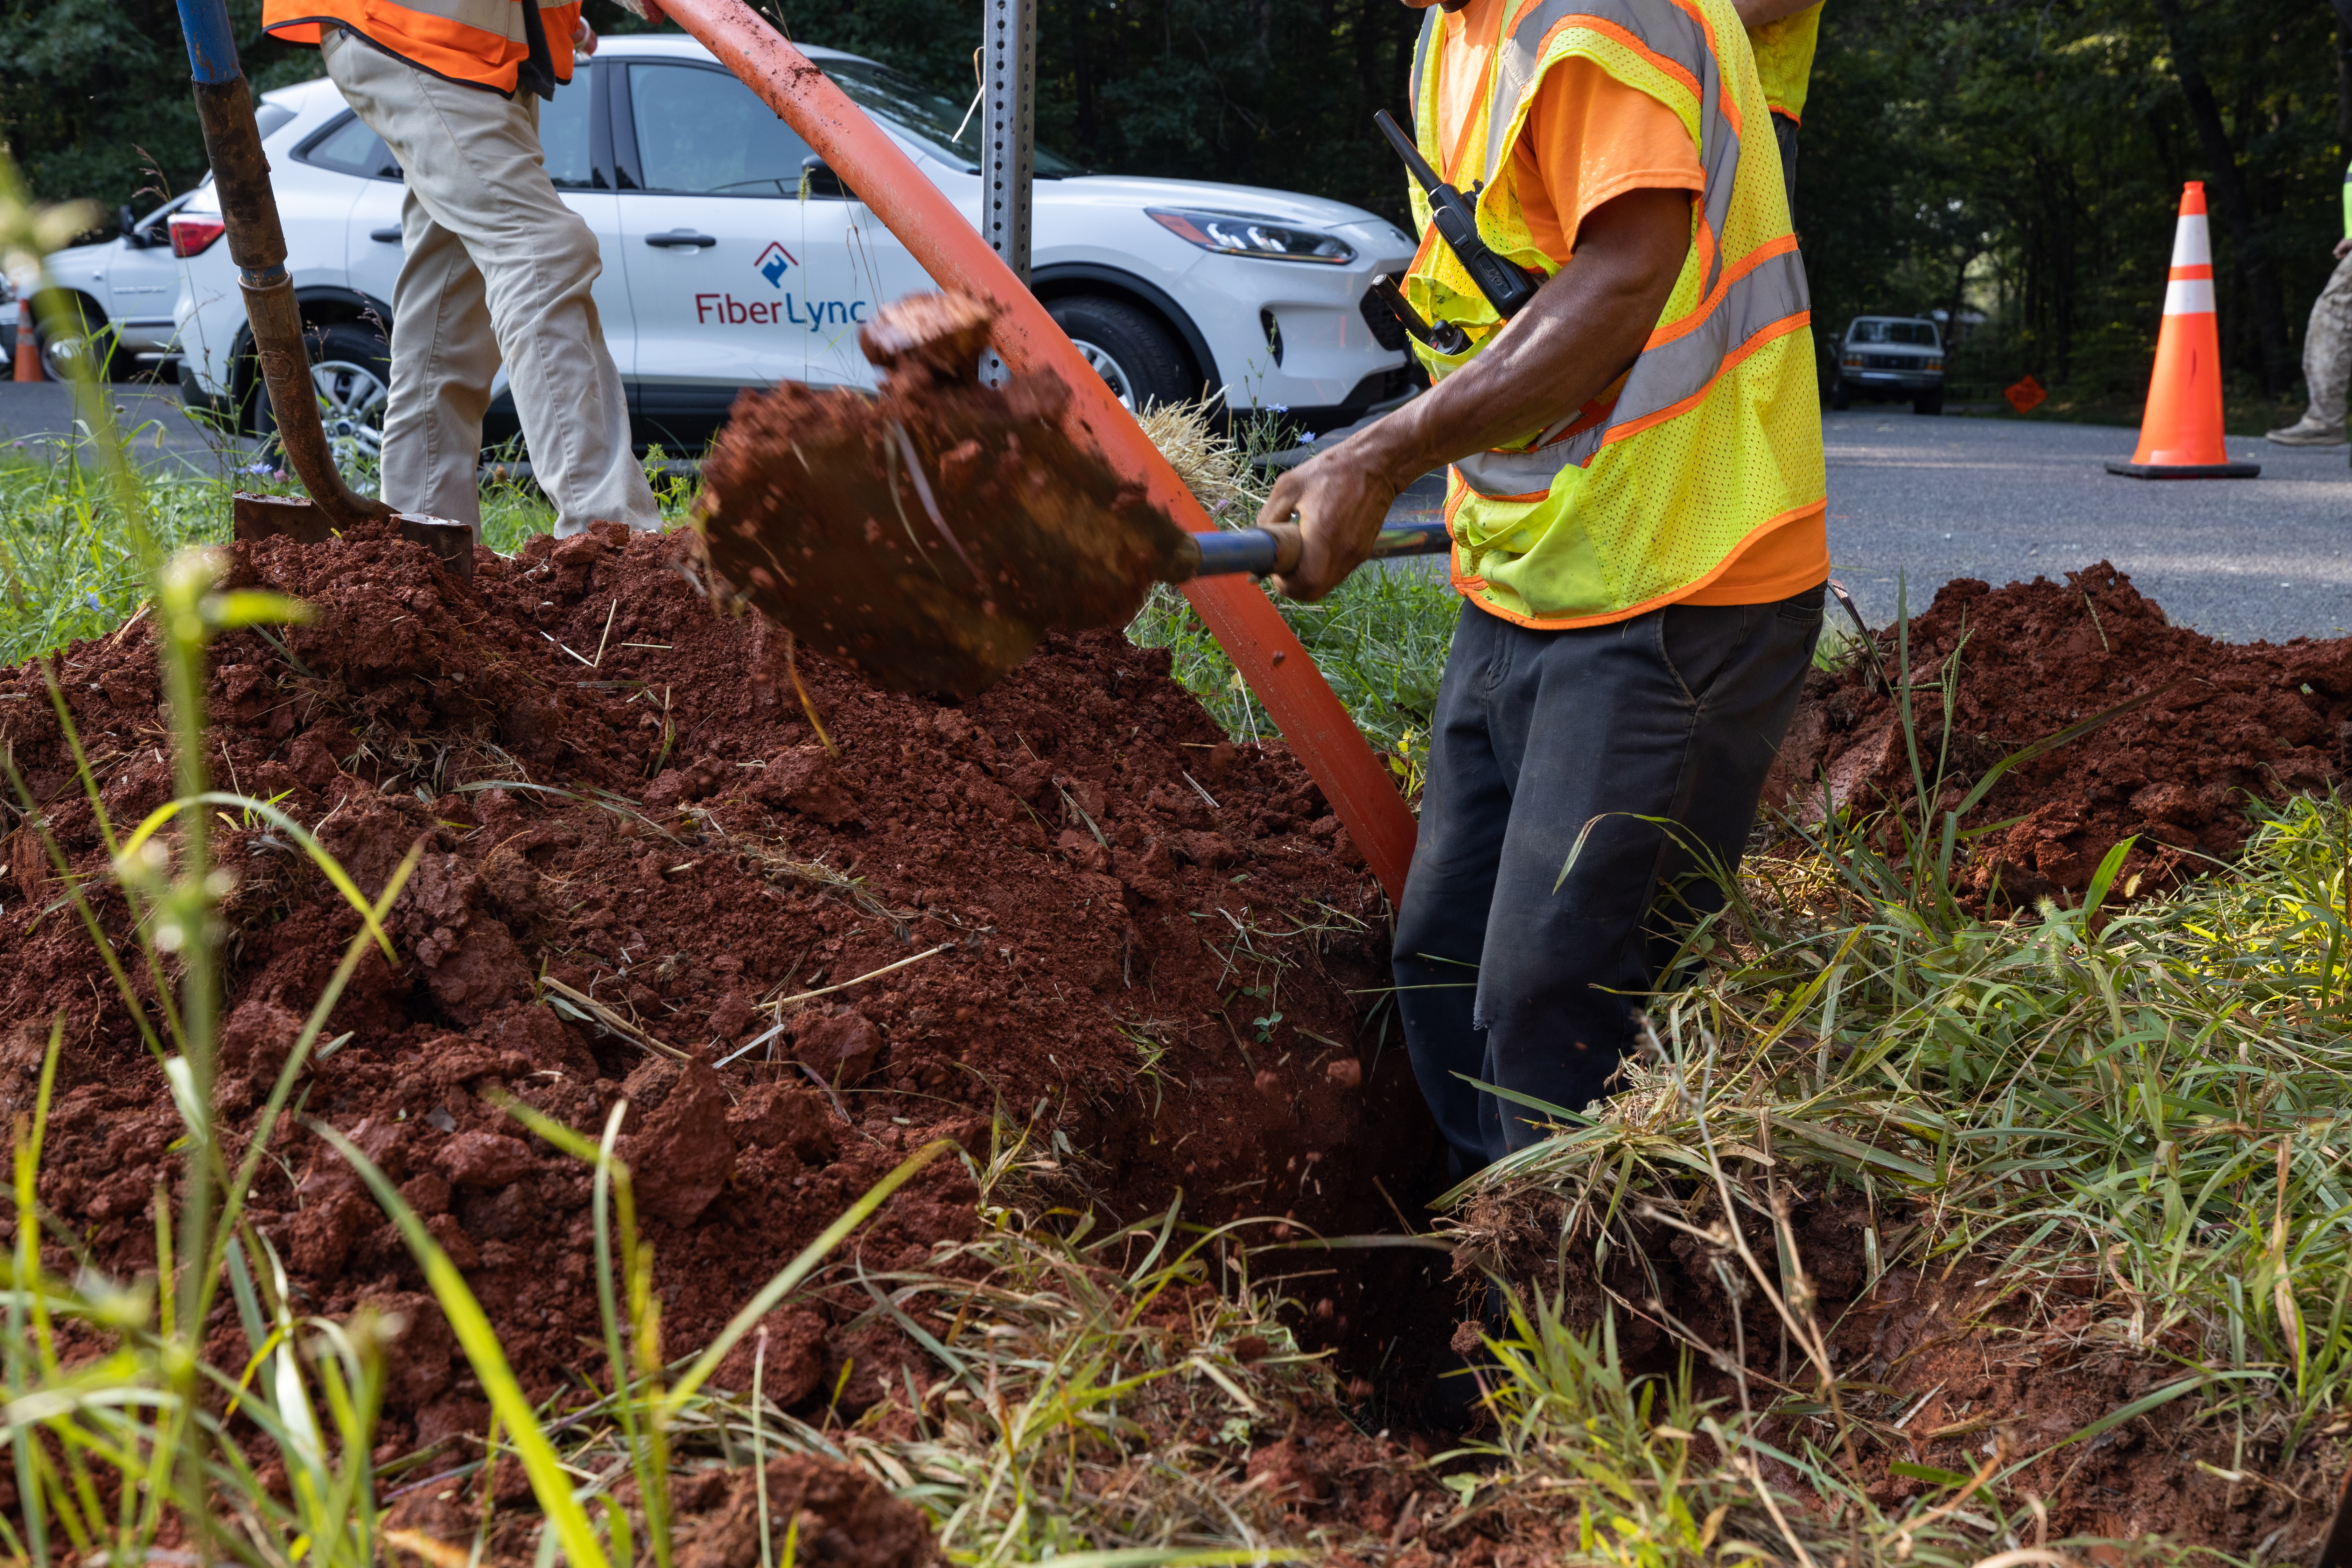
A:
(1133, 354)
(350, 368)
(1928, 403)
(80, 343)
(1840, 397)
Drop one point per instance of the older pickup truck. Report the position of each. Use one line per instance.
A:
(1888, 358)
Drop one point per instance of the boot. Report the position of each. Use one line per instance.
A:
(2309, 432)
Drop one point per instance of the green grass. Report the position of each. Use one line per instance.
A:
(1380, 640)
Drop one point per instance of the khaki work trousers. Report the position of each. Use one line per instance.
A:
(497, 269)
(2327, 348)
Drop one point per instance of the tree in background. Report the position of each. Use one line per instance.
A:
(2038, 148)
(94, 98)
(1267, 92)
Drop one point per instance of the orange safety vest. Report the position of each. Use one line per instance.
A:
(479, 41)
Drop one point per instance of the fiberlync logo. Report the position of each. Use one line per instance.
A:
(773, 263)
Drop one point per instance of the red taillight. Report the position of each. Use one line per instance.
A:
(191, 235)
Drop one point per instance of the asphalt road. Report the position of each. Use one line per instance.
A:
(40, 416)
(1929, 499)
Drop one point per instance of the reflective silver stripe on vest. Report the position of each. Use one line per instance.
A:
(1430, 22)
(1662, 377)
(1665, 28)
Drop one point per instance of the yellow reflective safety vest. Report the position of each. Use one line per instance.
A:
(1714, 437)
(1784, 58)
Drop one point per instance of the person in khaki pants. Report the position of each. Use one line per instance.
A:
(2327, 351)
(497, 269)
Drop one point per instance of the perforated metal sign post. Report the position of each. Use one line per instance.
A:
(1243, 621)
(1008, 129)
(1008, 139)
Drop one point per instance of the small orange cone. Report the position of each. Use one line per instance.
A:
(2180, 434)
(28, 349)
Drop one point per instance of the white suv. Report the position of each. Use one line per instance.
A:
(734, 259)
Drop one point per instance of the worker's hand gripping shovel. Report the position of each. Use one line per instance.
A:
(933, 536)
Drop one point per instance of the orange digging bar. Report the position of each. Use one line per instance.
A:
(1244, 623)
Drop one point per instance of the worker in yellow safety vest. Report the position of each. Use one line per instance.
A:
(1783, 35)
(1636, 500)
(494, 268)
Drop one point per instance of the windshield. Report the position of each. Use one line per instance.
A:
(932, 118)
(1921, 333)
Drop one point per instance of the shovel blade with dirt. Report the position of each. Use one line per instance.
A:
(932, 536)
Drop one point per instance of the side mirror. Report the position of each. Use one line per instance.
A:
(128, 220)
(822, 182)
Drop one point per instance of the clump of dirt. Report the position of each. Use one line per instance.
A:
(1072, 899)
(930, 536)
(2218, 726)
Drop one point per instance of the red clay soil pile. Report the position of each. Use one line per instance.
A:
(2230, 724)
(1114, 922)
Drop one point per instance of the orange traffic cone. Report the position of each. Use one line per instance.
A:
(2180, 434)
(28, 349)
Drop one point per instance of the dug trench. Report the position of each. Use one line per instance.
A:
(1070, 909)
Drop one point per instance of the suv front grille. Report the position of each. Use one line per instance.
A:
(1891, 362)
(1386, 330)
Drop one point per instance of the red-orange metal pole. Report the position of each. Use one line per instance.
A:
(1244, 623)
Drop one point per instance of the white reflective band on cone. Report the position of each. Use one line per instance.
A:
(2191, 245)
(2188, 296)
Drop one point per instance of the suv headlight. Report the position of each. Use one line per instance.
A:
(1239, 233)
(1934, 365)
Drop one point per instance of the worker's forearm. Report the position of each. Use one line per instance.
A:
(1756, 13)
(1581, 330)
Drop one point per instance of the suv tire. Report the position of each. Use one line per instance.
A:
(1840, 398)
(351, 364)
(1136, 356)
(56, 351)
(1928, 403)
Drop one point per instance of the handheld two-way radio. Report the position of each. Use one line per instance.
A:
(1444, 336)
(1507, 285)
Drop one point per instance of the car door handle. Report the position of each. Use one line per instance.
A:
(677, 238)
(384, 235)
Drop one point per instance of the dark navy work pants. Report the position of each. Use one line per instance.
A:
(1509, 974)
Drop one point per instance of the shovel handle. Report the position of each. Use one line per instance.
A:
(1267, 552)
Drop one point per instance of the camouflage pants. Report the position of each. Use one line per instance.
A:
(2327, 348)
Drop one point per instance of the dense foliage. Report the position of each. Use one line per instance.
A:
(2024, 158)
(2027, 156)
